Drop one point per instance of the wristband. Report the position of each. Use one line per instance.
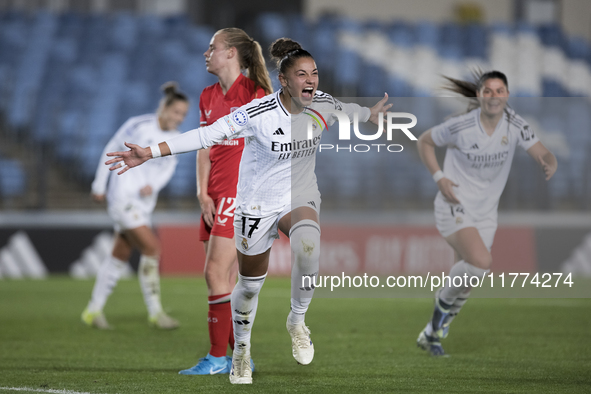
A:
(438, 176)
(155, 151)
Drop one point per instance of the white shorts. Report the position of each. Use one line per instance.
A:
(255, 235)
(450, 218)
(128, 216)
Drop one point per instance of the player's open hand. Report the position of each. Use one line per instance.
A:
(446, 186)
(548, 169)
(123, 161)
(382, 107)
(207, 208)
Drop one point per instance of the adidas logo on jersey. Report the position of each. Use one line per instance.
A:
(312, 203)
(279, 132)
(475, 146)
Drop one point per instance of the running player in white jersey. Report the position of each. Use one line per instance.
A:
(131, 200)
(277, 189)
(480, 148)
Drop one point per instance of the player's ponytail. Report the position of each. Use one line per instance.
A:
(250, 56)
(285, 52)
(172, 94)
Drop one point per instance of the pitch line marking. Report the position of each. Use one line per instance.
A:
(53, 391)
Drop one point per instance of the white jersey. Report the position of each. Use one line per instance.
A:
(279, 156)
(480, 163)
(124, 189)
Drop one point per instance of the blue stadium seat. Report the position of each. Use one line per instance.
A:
(372, 81)
(69, 136)
(402, 35)
(197, 39)
(578, 48)
(30, 72)
(272, 26)
(450, 41)
(475, 41)
(13, 180)
(398, 87)
(349, 67)
(552, 35)
(123, 34)
(300, 30)
(427, 34)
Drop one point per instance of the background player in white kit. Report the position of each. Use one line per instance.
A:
(131, 200)
(277, 189)
(480, 148)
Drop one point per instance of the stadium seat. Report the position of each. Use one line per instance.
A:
(13, 180)
(80, 76)
(272, 26)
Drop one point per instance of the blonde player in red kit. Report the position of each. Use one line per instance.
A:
(230, 51)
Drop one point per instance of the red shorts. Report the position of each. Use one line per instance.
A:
(223, 225)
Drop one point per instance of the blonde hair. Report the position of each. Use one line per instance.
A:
(250, 56)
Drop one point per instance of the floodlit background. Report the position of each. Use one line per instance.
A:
(71, 72)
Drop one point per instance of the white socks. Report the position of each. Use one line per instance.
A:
(150, 283)
(245, 298)
(450, 293)
(106, 279)
(304, 238)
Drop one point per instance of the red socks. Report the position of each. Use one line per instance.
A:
(219, 321)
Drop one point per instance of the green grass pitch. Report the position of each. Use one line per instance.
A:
(362, 345)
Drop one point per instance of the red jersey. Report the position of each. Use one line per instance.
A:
(225, 157)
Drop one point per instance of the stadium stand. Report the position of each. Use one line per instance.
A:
(68, 81)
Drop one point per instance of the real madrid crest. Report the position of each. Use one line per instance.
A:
(244, 244)
(504, 140)
(459, 220)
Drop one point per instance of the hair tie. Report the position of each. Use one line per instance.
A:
(289, 54)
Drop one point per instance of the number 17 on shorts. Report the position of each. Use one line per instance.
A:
(255, 235)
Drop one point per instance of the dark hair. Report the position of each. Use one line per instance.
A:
(470, 89)
(250, 56)
(172, 94)
(285, 52)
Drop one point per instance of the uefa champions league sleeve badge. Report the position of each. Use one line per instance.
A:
(240, 117)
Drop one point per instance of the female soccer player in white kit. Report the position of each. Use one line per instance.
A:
(131, 200)
(480, 148)
(277, 189)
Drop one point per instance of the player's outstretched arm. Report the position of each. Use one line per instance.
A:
(546, 159)
(192, 140)
(135, 156)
